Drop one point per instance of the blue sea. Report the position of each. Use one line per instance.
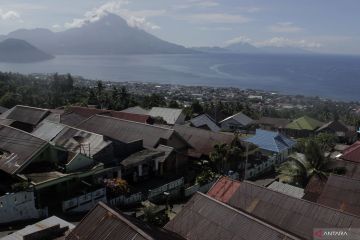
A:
(332, 76)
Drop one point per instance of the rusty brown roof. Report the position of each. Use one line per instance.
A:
(293, 215)
(203, 141)
(205, 218)
(104, 223)
(342, 193)
(26, 114)
(126, 131)
(17, 148)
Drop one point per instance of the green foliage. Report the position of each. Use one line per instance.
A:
(152, 217)
(154, 100)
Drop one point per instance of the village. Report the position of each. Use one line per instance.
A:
(157, 174)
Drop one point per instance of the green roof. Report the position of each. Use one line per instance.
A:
(305, 123)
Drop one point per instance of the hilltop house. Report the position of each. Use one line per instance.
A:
(236, 122)
(272, 124)
(204, 121)
(303, 127)
(344, 133)
(171, 116)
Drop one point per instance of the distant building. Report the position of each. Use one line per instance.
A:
(235, 122)
(340, 130)
(272, 124)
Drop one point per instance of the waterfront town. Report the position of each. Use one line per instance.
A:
(91, 172)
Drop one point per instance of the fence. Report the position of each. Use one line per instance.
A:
(167, 187)
(83, 199)
(123, 200)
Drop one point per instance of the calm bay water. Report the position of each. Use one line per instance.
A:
(337, 77)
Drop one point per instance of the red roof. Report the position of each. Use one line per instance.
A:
(352, 153)
(224, 189)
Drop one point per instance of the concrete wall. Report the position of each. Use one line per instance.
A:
(19, 207)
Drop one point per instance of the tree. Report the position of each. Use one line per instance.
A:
(173, 104)
(196, 107)
(300, 170)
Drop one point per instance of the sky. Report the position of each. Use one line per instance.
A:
(326, 26)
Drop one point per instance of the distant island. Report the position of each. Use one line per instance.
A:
(15, 50)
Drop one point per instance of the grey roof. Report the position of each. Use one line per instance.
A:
(240, 118)
(141, 157)
(274, 122)
(39, 226)
(63, 136)
(26, 114)
(203, 141)
(126, 131)
(287, 189)
(170, 115)
(204, 218)
(3, 109)
(104, 223)
(136, 110)
(205, 120)
(18, 148)
(166, 150)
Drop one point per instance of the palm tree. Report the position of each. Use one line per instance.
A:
(302, 168)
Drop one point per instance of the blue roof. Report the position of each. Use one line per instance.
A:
(271, 141)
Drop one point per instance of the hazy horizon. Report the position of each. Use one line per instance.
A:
(307, 24)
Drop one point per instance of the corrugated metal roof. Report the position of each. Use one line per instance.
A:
(240, 118)
(170, 115)
(223, 189)
(351, 169)
(136, 110)
(287, 189)
(126, 131)
(26, 114)
(141, 157)
(271, 141)
(204, 218)
(166, 150)
(18, 148)
(352, 153)
(63, 136)
(342, 193)
(103, 223)
(205, 120)
(203, 141)
(294, 215)
(335, 126)
(46, 223)
(305, 123)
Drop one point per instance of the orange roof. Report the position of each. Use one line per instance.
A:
(352, 153)
(224, 189)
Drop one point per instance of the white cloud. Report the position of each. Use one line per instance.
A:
(240, 39)
(134, 18)
(216, 28)
(275, 42)
(249, 9)
(197, 3)
(285, 27)
(286, 42)
(218, 18)
(9, 15)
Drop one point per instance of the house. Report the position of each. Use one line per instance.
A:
(171, 116)
(303, 127)
(206, 218)
(272, 144)
(342, 193)
(272, 124)
(74, 140)
(202, 141)
(340, 130)
(136, 110)
(49, 228)
(297, 216)
(104, 223)
(24, 117)
(235, 122)
(204, 121)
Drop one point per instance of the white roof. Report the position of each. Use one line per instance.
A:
(170, 115)
(136, 110)
(287, 189)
